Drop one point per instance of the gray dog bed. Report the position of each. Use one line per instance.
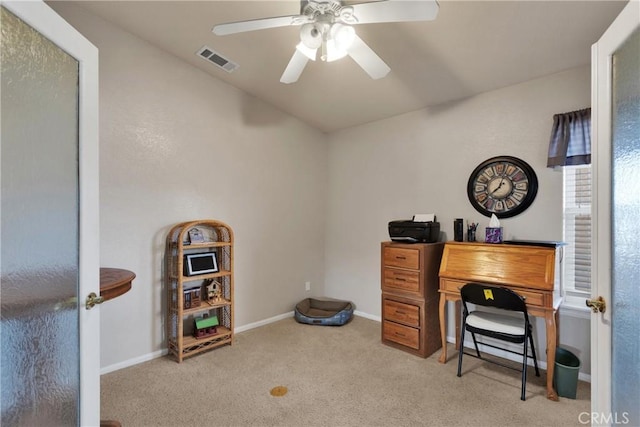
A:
(321, 312)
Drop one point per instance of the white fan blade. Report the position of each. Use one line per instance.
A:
(395, 11)
(366, 58)
(258, 24)
(294, 69)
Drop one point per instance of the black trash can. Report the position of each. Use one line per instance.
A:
(565, 374)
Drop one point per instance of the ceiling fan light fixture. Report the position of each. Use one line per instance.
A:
(307, 51)
(343, 35)
(333, 52)
(339, 39)
(347, 15)
(328, 25)
(311, 36)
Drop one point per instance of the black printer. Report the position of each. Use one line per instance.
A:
(410, 231)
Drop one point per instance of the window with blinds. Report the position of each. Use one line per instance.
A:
(577, 229)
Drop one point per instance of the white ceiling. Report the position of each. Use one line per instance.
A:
(471, 47)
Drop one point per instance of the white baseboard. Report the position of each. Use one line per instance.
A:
(490, 350)
(263, 322)
(368, 316)
(161, 353)
(134, 361)
(510, 356)
(493, 351)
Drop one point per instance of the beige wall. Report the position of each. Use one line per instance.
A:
(176, 145)
(420, 163)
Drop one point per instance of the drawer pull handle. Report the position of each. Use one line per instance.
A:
(400, 334)
(401, 279)
(400, 312)
(401, 257)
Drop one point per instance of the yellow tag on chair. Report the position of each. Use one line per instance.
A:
(488, 294)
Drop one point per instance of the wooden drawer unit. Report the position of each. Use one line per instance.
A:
(401, 257)
(409, 281)
(401, 280)
(401, 334)
(401, 313)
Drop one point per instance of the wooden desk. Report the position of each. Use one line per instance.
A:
(528, 269)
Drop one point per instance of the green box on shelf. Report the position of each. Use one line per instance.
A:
(206, 326)
(206, 322)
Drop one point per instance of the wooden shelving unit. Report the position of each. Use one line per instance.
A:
(218, 239)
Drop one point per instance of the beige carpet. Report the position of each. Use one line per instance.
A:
(335, 376)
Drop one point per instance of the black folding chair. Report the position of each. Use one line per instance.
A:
(512, 327)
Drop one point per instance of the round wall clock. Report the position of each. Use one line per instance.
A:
(502, 185)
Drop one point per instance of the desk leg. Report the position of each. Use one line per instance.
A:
(551, 353)
(443, 327)
(557, 318)
(457, 308)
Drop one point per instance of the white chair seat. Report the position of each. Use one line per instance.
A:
(496, 322)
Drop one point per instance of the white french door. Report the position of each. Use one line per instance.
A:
(50, 224)
(615, 385)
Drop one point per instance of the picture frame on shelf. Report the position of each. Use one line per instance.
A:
(196, 236)
(200, 263)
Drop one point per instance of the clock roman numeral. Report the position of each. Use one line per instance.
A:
(519, 176)
(518, 196)
(522, 185)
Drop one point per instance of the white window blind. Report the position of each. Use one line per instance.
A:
(577, 229)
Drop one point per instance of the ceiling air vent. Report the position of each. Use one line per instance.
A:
(216, 59)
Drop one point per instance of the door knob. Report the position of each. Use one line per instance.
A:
(598, 305)
(92, 300)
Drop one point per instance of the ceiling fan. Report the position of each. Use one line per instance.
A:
(328, 25)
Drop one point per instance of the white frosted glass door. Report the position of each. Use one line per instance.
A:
(625, 295)
(39, 229)
(615, 341)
